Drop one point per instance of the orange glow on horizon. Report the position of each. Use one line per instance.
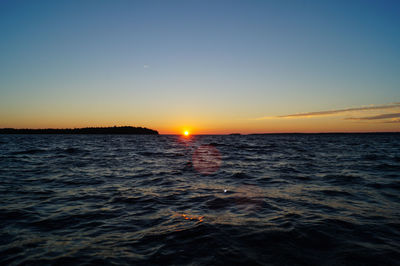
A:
(201, 125)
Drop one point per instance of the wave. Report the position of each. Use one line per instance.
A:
(275, 200)
(343, 179)
(29, 152)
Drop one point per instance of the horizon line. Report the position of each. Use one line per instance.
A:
(199, 134)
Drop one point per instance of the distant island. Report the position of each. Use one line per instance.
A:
(125, 130)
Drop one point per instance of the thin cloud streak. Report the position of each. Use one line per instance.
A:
(376, 117)
(334, 112)
(392, 121)
(339, 111)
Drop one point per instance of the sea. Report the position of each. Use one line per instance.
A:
(275, 199)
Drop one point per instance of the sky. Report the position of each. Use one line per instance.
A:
(211, 67)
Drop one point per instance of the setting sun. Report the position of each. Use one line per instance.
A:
(186, 133)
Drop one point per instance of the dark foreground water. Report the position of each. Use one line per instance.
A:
(273, 199)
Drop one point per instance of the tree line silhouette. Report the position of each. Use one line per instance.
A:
(126, 130)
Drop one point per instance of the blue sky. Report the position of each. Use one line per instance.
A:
(207, 65)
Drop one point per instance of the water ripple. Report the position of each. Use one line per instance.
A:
(277, 199)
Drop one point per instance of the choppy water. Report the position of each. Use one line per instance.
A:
(273, 199)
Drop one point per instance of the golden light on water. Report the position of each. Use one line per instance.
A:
(193, 217)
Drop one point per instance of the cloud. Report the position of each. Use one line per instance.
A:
(376, 117)
(340, 111)
(146, 66)
(392, 121)
(343, 111)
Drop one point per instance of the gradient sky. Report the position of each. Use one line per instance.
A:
(208, 66)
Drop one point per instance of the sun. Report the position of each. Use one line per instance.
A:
(186, 133)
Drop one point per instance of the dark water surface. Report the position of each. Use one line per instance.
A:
(273, 199)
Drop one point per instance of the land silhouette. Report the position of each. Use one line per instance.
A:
(125, 130)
